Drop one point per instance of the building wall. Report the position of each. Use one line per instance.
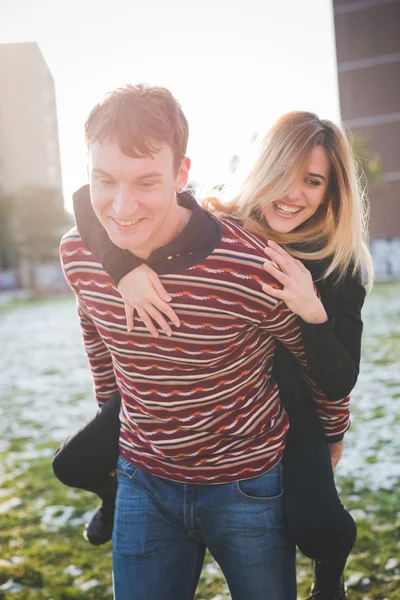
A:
(29, 147)
(368, 55)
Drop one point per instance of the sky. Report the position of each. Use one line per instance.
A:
(234, 65)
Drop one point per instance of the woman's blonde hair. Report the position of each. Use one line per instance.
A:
(338, 229)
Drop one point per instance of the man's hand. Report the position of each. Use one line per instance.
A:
(335, 450)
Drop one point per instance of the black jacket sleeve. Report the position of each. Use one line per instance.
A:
(115, 261)
(333, 348)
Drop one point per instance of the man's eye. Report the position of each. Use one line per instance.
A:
(105, 181)
(147, 184)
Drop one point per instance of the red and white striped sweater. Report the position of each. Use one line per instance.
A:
(200, 406)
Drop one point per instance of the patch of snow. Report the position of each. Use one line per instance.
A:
(11, 587)
(51, 521)
(73, 570)
(18, 560)
(83, 519)
(10, 504)
(86, 585)
(354, 579)
(391, 564)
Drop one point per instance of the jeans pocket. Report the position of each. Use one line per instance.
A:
(264, 488)
(131, 519)
(125, 469)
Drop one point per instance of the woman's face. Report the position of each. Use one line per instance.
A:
(304, 198)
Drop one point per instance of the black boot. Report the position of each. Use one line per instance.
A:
(99, 530)
(328, 582)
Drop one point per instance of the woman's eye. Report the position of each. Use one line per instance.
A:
(313, 182)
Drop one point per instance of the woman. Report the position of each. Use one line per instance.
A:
(300, 194)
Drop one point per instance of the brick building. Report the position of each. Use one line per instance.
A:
(368, 55)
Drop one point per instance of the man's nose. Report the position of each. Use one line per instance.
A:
(125, 203)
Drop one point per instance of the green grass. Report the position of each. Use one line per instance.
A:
(38, 558)
(47, 554)
(33, 301)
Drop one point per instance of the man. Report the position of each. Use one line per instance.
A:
(202, 429)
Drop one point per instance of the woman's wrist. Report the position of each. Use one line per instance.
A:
(315, 313)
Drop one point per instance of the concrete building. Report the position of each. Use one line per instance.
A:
(29, 156)
(368, 55)
(29, 148)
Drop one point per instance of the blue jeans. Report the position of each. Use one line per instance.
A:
(162, 529)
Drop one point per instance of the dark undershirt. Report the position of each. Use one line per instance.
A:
(332, 348)
(194, 243)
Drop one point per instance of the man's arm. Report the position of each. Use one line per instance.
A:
(99, 356)
(284, 326)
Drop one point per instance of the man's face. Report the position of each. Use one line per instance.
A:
(134, 198)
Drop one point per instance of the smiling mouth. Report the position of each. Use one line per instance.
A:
(286, 210)
(128, 224)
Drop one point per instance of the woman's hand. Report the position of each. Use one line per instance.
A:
(335, 450)
(142, 290)
(298, 293)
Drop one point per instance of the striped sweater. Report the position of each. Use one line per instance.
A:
(200, 406)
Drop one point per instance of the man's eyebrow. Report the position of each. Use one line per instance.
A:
(101, 172)
(317, 175)
(153, 175)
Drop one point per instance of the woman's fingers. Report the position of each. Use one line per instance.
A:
(274, 292)
(280, 260)
(276, 273)
(152, 309)
(145, 317)
(130, 316)
(166, 309)
(159, 288)
(274, 246)
(142, 290)
(161, 301)
(300, 265)
(158, 317)
(291, 261)
(281, 257)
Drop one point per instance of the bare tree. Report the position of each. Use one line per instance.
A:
(8, 242)
(370, 163)
(33, 221)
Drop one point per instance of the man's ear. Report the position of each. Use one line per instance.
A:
(183, 173)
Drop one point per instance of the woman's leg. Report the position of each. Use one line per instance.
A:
(86, 459)
(321, 527)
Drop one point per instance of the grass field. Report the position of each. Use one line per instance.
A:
(45, 391)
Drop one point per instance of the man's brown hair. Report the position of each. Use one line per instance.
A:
(137, 117)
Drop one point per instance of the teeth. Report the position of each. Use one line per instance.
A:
(126, 222)
(287, 209)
